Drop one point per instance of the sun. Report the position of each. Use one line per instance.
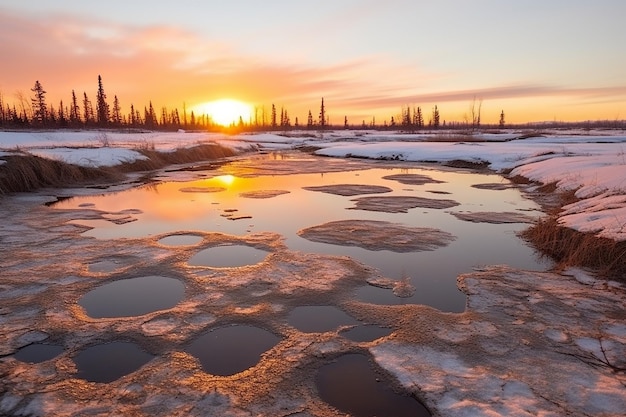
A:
(226, 111)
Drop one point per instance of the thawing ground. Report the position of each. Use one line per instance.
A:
(529, 343)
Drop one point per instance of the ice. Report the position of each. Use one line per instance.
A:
(529, 343)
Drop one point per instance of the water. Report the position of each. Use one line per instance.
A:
(351, 385)
(181, 240)
(317, 319)
(38, 352)
(132, 297)
(232, 349)
(220, 204)
(228, 256)
(365, 333)
(110, 361)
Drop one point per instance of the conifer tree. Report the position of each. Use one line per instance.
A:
(87, 110)
(40, 109)
(309, 121)
(74, 111)
(273, 117)
(102, 107)
(501, 123)
(436, 116)
(322, 115)
(117, 112)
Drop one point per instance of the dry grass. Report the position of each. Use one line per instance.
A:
(569, 247)
(27, 172)
(24, 172)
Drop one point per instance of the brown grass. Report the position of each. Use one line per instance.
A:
(24, 172)
(568, 247)
(27, 172)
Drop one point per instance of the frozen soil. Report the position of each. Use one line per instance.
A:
(493, 217)
(378, 235)
(528, 343)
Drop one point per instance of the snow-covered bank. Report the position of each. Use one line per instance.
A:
(528, 344)
(591, 163)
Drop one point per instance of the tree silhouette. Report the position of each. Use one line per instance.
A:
(40, 109)
(435, 117)
(101, 105)
(501, 123)
(322, 115)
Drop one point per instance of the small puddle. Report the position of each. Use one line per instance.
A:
(37, 353)
(132, 297)
(110, 361)
(317, 319)
(351, 385)
(366, 333)
(232, 349)
(181, 240)
(228, 256)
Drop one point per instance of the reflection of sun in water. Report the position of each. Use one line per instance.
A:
(226, 179)
(226, 111)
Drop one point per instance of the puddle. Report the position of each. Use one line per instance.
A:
(132, 297)
(232, 349)
(181, 240)
(351, 385)
(110, 361)
(228, 256)
(365, 333)
(329, 197)
(318, 319)
(37, 353)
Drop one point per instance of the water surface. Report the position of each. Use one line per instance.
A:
(169, 207)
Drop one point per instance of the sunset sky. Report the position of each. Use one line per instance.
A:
(537, 60)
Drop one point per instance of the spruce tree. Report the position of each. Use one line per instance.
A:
(322, 115)
(101, 105)
(40, 109)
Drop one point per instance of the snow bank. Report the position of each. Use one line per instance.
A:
(592, 165)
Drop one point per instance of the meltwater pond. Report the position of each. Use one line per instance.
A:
(408, 201)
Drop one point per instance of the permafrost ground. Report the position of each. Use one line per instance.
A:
(528, 343)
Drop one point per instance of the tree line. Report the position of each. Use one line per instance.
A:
(81, 112)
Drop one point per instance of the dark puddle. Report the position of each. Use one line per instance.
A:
(353, 386)
(228, 256)
(317, 319)
(132, 297)
(365, 333)
(110, 361)
(232, 349)
(37, 353)
(181, 240)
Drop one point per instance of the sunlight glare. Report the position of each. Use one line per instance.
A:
(226, 179)
(226, 111)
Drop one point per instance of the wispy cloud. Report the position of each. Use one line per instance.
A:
(169, 65)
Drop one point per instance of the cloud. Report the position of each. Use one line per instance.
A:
(169, 65)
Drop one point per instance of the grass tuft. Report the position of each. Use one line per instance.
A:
(24, 172)
(569, 247)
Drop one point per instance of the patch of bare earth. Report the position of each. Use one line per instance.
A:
(378, 235)
(263, 193)
(349, 190)
(493, 217)
(497, 186)
(400, 204)
(412, 179)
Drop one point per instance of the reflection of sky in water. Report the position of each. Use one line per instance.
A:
(168, 209)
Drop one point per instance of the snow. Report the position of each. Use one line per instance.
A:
(593, 164)
(528, 344)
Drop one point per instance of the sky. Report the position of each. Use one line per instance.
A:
(536, 60)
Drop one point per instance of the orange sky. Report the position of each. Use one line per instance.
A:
(366, 59)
